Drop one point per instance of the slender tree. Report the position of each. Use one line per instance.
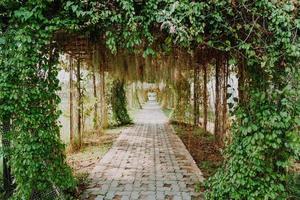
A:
(196, 93)
(104, 120)
(79, 104)
(218, 125)
(136, 96)
(95, 120)
(224, 106)
(205, 96)
(71, 102)
(241, 80)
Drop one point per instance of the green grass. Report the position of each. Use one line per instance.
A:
(210, 167)
(198, 131)
(132, 112)
(167, 112)
(210, 115)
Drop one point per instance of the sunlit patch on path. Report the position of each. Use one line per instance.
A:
(148, 161)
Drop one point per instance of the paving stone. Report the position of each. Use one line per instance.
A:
(160, 195)
(100, 197)
(110, 195)
(186, 195)
(125, 197)
(134, 195)
(147, 161)
(177, 197)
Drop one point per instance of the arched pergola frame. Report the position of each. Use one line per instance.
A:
(260, 37)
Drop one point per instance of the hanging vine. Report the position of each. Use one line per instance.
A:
(182, 109)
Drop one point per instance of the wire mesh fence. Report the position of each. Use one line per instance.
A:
(52, 194)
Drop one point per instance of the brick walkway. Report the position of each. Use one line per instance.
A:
(146, 162)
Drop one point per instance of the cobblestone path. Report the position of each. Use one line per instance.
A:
(147, 162)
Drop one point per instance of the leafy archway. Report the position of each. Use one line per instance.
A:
(260, 37)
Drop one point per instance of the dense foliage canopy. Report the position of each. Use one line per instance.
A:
(262, 35)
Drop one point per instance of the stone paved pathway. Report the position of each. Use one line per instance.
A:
(147, 162)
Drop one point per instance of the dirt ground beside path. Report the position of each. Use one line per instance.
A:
(202, 147)
(95, 145)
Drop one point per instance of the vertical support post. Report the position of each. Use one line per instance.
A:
(225, 82)
(241, 81)
(218, 101)
(196, 93)
(205, 96)
(104, 120)
(95, 120)
(71, 102)
(79, 103)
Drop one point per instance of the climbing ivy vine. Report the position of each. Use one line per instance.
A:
(28, 86)
(263, 34)
(182, 107)
(119, 103)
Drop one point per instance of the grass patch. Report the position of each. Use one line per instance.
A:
(94, 146)
(167, 112)
(210, 115)
(209, 166)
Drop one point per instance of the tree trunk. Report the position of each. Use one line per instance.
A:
(225, 82)
(172, 99)
(7, 177)
(104, 120)
(79, 104)
(71, 103)
(137, 96)
(205, 96)
(82, 115)
(95, 120)
(218, 107)
(129, 95)
(196, 93)
(241, 81)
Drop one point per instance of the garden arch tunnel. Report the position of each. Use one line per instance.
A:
(177, 71)
(260, 38)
